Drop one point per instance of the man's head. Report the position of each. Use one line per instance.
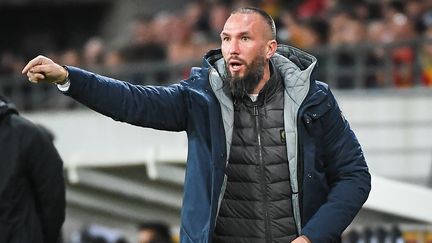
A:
(153, 232)
(248, 42)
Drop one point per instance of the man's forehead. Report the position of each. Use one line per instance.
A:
(242, 22)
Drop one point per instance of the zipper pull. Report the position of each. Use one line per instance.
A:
(255, 110)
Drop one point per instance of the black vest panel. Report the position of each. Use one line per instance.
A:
(256, 206)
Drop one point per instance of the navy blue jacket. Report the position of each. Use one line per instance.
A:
(329, 176)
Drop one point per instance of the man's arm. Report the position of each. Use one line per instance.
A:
(347, 176)
(149, 106)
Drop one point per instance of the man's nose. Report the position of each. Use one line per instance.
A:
(234, 48)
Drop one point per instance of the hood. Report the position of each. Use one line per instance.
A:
(301, 59)
(6, 107)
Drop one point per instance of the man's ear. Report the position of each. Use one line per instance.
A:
(271, 48)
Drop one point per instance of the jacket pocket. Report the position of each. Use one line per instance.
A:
(312, 116)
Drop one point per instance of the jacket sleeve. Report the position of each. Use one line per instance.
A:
(148, 106)
(45, 169)
(347, 176)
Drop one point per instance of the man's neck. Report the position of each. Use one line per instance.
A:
(263, 81)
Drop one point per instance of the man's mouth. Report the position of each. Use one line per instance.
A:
(235, 65)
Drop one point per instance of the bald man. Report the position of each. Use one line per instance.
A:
(270, 158)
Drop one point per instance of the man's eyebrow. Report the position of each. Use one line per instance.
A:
(239, 34)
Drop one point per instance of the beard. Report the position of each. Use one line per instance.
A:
(241, 87)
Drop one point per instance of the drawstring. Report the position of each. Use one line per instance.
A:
(265, 102)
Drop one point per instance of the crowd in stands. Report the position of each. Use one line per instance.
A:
(184, 35)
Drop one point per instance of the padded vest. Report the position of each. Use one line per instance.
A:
(256, 206)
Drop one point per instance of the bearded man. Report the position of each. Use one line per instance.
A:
(270, 158)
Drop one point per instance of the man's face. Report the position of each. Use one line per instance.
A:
(146, 236)
(244, 46)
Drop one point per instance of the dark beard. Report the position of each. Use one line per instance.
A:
(240, 87)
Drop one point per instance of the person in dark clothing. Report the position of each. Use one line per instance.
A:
(271, 158)
(100, 234)
(32, 191)
(154, 232)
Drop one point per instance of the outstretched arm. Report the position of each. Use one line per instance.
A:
(147, 106)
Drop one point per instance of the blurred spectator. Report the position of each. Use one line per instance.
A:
(93, 52)
(154, 232)
(346, 29)
(427, 237)
(142, 48)
(381, 234)
(142, 45)
(377, 35)
(414, 10)
(403, 56)
(412, 236)
(217, 17)
(395, 235)
(196, 15)
(368, 235)
(113, 59)
(300, 34)
(32, 190)
(311, 8)
(100, 234)
(272, 7)
(10, 63)
(352, 236)
(395, 26)
(70, 57)
(426, 58)
(361, 10)
(426, 20)
(182, 47)
(161, 25)
(347, 32)
(242, 3)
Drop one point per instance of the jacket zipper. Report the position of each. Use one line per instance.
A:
(300, 172)
(262, 172)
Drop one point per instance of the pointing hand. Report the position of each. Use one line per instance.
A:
(43, 69)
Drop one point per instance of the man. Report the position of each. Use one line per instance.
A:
(154, 232)
(271, 158)
(94, 233)
(32, 191)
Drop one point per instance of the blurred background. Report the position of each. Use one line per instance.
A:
(375, 55)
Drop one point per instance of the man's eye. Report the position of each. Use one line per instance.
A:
(245, 38)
